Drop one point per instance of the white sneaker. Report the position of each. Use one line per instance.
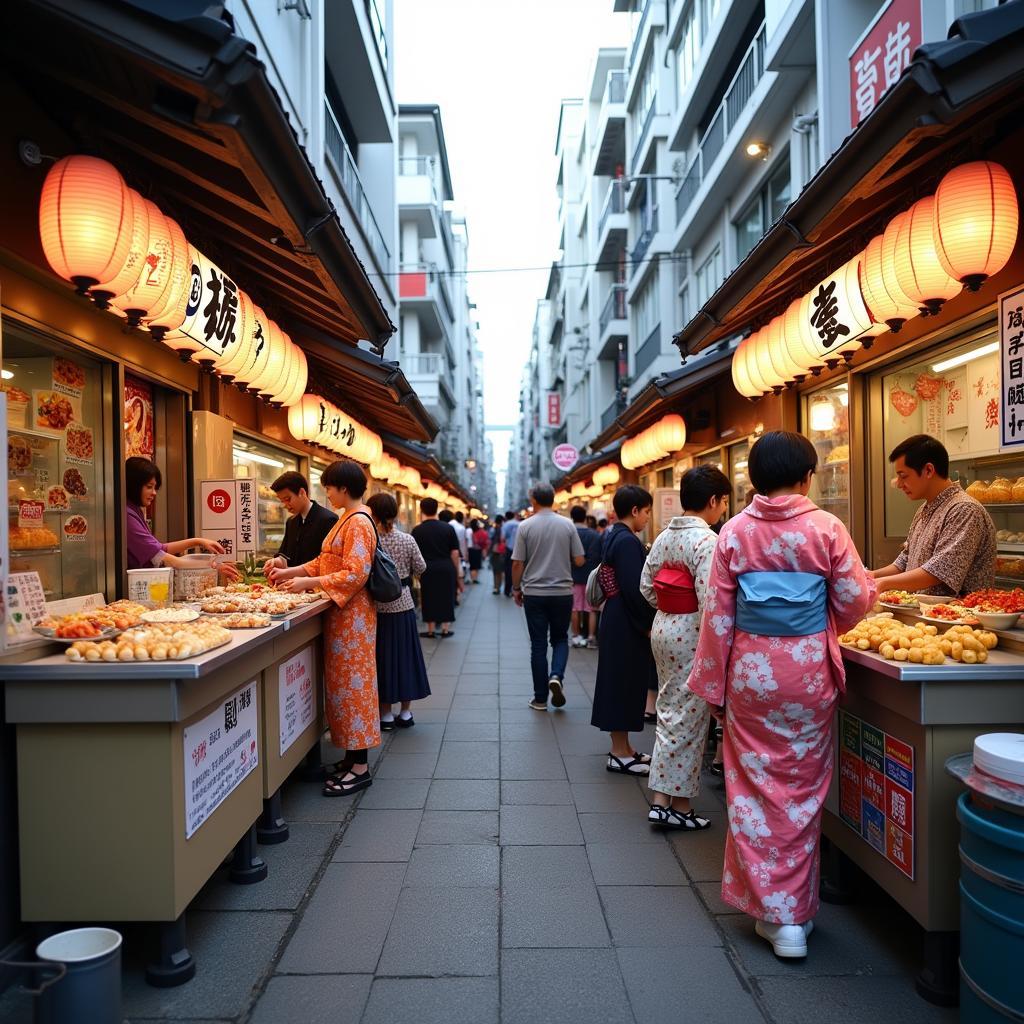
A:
(578, 641)
(788, 940)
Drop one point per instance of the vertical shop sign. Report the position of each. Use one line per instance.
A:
(876, 789)
(296, 695)
(1011, 369)
(221, 749)
(882, 54)
(228, 515)
(554, 408)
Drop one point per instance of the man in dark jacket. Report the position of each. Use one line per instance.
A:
(306, 529)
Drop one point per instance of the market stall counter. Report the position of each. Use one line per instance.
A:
(892, 806)
(137, 779)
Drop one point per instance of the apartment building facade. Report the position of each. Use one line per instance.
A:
(691, 143)
(332, 65)
(438, 326)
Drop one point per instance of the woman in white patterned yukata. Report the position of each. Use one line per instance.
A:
(675, 581)
(401, 672)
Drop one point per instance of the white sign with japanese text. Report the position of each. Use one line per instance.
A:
(220, 751)
(211, 310)
(228, 515)
(1011, 369)
(297, 696)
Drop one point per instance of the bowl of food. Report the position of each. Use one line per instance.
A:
(997, 620)
(899, 599)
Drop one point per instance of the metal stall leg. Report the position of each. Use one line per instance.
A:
(939, 980)
(246, 866)
(272, 828)
(838, 883)
(311, 770)
(175, 965)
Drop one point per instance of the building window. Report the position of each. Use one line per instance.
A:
(684, 305)
(766, 207)
(708, 12)
(709, 276)
(645, 309)
(689, 50)
(647, 90)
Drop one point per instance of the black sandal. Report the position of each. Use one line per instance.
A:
(637, 761)
(342, 767)
(337, 785)
(689, 822)
(405, 723)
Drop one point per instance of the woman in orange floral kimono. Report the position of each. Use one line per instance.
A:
(350, 634)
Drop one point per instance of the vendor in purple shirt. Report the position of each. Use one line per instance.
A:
(142, 481)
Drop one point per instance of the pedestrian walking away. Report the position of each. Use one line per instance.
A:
(442, 579)
(584, 618)
(480, 541)
(464, 534)
(401, 671)
(546, 549)
(675, 581)
(498, 555)
(508, 531)
(350, 629)
(625, 666)
(785, 577)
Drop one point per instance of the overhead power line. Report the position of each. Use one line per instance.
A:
(668, 257)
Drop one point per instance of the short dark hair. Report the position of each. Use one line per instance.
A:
(543, 494)
(137, 473)
(384, 508)
(343, 473)
(460, 517)
(428, 506)
(629, 497)
(290, 481)
(446, 515)
(700, 484)
(602, 522)
(510, 515)
(919, 450)
(474, 524)
(780, 458)
(578, 514)
(499, 519)
(592, 522)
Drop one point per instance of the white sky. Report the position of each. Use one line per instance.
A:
(498, 70)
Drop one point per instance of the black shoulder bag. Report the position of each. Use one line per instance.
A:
(383, 584)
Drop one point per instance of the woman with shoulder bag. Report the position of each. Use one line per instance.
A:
(624, 662)
(675, 581)
(785, 581)
(342, 570)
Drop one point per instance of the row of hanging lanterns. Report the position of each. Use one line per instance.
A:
(315, 420)
(660, 439)
(118, 248)
(388, 469)
(926, 255)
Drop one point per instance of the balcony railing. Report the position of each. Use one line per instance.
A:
(615, 90)
(614, 306)
(614, 202)
(644, 130)
(649, 228)
(608, 416)
(410, 166)
(424, 364)
(641, 24)
(737, 96)
(648, 351)
(352, 186)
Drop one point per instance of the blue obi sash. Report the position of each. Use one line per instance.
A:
(781, 603)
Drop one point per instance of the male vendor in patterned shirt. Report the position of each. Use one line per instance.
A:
(951, 547)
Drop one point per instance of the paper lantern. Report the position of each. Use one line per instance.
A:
(838, 314)
(85, 220)
(740, 380)
(257, 350)
(578, 489)
(764, 369)
(304, 418)
(822, 415)
(301, 377)
(920, 274)
(796, 336)
(138, 247)
(595, 491)
(149, 291)
(263, 383)
(670, 433)
(607, 475)
(785, 369)
(752, 364)
(236, 352)
(975, 221)
(887, 308)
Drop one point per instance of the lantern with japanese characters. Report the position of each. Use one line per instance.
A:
(838, 315)
(975, 221)
(258, 351)
(148, 293)
(304, 418)
(236, 351)
(85, 221)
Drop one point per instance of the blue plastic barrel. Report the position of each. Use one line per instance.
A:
(991, 913)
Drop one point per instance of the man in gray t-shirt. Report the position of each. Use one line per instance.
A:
(547, 547)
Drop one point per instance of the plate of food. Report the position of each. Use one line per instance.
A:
(79, 442)
(66, 637)
(57, 498)
(244, 620)
(54, 411)
(175, 613)
(76, 526)
(949, 614)
(899, 599)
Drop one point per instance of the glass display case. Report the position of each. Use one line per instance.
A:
(316, 488)
(55, 485)
(264, 463)
(826, 421)
(954, 396)
(738, 455)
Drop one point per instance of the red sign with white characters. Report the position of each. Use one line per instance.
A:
(882, 55)
(554, 409)
(218, 501)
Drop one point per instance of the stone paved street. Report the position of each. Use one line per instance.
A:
(496, 872)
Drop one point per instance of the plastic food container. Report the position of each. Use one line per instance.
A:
(1001, 754)
(997, 620)
(152, 585)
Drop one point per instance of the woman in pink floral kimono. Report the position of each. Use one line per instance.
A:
(785, 582)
